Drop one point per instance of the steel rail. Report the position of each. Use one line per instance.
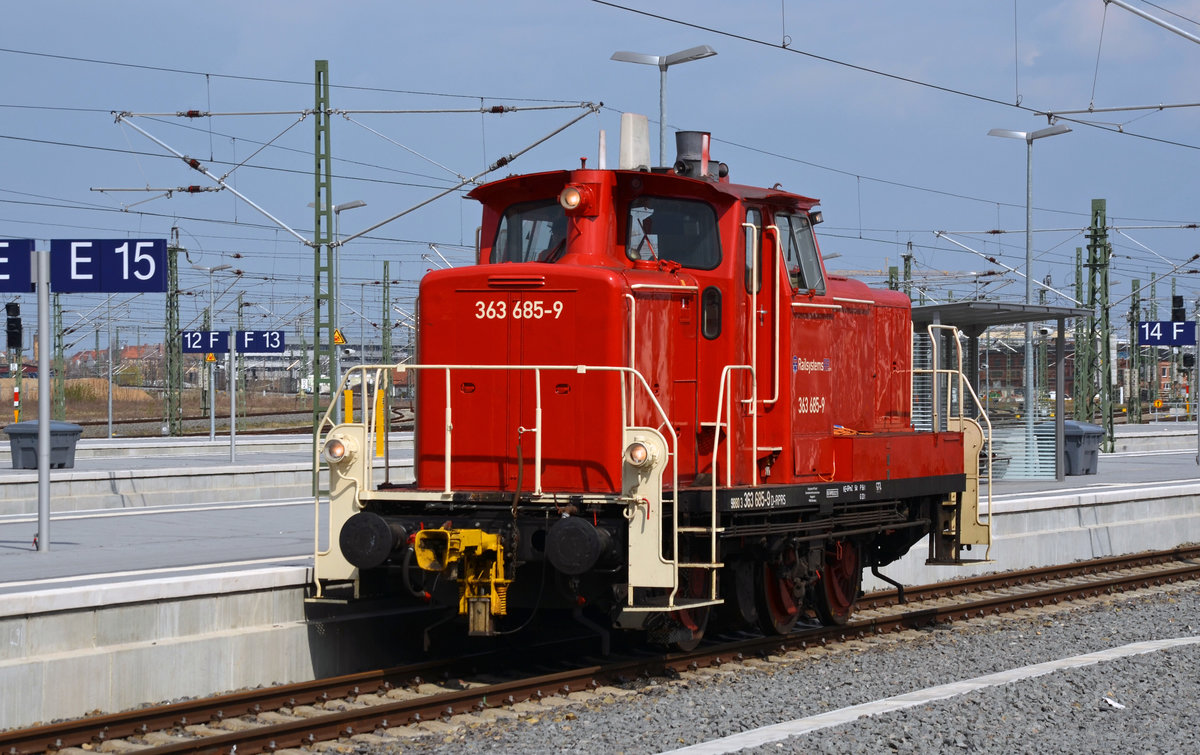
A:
(400, 713)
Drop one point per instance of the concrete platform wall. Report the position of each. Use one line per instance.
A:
(113, 647)
(66, 653)
(1036, 532)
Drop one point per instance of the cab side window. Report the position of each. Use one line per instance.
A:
(800, 255)
(752, 239)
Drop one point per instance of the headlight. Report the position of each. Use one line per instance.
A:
(337, 449)
(570, 198)
(579, 199)
(638, 454)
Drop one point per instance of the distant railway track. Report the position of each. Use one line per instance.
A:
(282, 423)
(303, 714)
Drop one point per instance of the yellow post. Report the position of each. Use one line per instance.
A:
(381, 425)
(348, 404)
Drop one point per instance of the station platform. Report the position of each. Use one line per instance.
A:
(133, 505)
(173, 571)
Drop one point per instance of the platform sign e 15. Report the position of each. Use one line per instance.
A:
(1167, 333)
(108, 265)
(15, 268)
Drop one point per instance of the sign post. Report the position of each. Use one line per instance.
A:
(71, 266)
(43, 307)
(232, 374)
(213, 342)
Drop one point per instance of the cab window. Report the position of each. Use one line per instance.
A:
(531, 232)
(681, 230)
(800, 253)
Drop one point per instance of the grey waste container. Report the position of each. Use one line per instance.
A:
(1081, 447)
(23, 440)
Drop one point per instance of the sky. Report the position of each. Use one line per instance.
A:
(879, 109)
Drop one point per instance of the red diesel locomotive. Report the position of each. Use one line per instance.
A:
(646, 401)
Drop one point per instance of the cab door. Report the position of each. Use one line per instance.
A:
(762, 436)
(813, 314)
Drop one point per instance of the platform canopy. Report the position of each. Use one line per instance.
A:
(974, 317)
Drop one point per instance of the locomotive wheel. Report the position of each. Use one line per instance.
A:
(837, 590)
(690, 623)
(776, 595)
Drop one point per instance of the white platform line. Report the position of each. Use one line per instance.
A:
(185, 508)
(777, 732)
(163, 571)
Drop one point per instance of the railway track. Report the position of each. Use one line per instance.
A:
(286, 423)
(283, 423)
(361, 705)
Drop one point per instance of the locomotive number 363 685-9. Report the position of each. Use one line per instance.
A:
(520, 310)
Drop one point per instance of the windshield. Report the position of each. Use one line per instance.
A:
(531, 232)
(681, 230)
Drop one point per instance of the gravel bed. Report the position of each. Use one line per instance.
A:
(1073, 711)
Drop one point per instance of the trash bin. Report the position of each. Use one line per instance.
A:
(1081, 447)
(23, 441)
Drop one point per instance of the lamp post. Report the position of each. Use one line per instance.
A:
(337, 295)
(212, 373)
(664, 62)
(1029, 137)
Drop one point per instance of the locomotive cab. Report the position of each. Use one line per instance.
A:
(648, 399)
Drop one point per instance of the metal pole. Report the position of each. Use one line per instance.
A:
(336, 289)
(110, 374)
(1029, 388)
(232, 397)
(212, 367)
(662, 114)
(1153, 20)
(43, 305)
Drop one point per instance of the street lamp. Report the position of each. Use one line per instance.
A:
(664, 62)
(1029, 137)
(212, 373)
(337, 292)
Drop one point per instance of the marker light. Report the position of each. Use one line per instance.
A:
(337, 449)
(638, 454)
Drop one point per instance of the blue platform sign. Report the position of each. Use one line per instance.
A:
(16, 271)
(205, 341)
(260, 341)
(108, 265)
(246, 342)
(1153, 333)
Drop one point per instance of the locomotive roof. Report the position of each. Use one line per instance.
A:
(551, 181)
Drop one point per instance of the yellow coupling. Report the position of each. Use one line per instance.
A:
(478, 557)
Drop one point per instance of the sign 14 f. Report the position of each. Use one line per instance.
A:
(1166, 333)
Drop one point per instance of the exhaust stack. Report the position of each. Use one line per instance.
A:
(693, 161)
